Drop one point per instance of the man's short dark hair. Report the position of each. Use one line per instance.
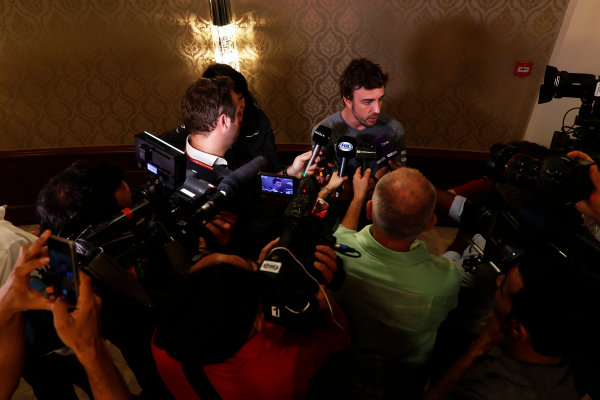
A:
(79, 196)
(361, 73)
(208, 317)
(205, 100)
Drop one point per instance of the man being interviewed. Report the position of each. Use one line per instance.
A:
(362, 89)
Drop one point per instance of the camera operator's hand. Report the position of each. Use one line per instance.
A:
(332, 315)
(266, 250)
(326, 262)
(299, 163)
(591, 206)
(15, 294)
(222, 226)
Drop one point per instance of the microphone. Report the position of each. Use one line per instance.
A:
(232, 185)
(242, 176)
(385, 150)
(320, 137)
(346, 150)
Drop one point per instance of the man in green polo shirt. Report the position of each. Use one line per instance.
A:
(395, 294)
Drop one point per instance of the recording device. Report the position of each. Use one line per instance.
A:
(542, 216)
(556, 181)
(165, 161)
(320, 138)
(385, 150)
(182, 204)
(277, 185)
(61, 273)
(584, 135)
(559, 84)
(291, 280)
(139, 250)
(345, 151)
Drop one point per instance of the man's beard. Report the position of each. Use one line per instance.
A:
(365, 121)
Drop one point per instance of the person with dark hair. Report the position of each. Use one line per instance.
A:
(212, 111)
(82, 195)
(213, 340)
(532, 324)
(278, 186)
(362, 88)
(256, 134)
(396, 294)
(74, 200)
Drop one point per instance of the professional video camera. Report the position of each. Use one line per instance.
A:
(543, 213)
(556, 181)
(291, 279)
(584, 135)
(169, 214)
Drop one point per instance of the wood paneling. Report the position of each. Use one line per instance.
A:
(25, 172)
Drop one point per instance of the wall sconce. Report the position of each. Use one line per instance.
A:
(223, 32)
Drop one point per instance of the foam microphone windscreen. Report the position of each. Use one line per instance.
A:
(385, 150)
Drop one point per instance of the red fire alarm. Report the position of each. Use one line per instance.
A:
(523, 68)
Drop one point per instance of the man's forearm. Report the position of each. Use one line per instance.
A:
(12, 352)
(491, 336)
(105, 380)
(350, 220)
(454, 374)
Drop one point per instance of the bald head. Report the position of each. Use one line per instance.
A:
(403, 203)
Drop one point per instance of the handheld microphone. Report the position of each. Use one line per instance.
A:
(346, 150)
(320, 137)
(385, 150)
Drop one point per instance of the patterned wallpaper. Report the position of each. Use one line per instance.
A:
(96, 72)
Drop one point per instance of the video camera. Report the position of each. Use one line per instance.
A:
(556, 181)
(288, 270)
(543, 214)
(165, 221)
(586, 130)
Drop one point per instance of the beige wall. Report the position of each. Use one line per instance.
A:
(91, 72)
(576, 51)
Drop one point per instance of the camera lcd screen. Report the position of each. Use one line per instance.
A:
(277, 184)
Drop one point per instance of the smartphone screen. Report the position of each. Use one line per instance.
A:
(62, 270)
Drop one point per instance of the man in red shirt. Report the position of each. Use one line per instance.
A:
(214, 338)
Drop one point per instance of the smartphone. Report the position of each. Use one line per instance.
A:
(278, 185)
(62, 270)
